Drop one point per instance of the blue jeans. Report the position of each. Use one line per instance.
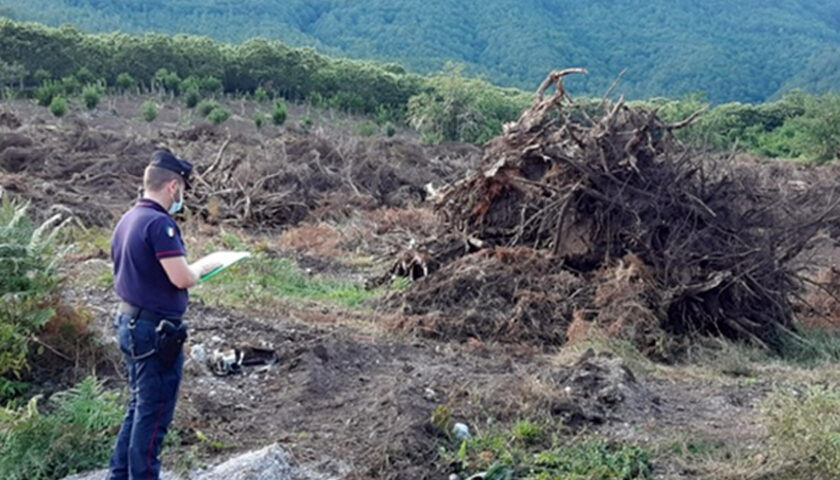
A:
(154, 391)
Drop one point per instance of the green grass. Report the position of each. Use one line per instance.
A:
(804, 428)
(811, 347)
(260, 280)
(527, 450)
(695, 448)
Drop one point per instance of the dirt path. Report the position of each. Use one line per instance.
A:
(357, 404)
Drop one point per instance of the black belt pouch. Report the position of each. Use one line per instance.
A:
(170, 341)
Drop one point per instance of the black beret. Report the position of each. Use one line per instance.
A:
(168, 160)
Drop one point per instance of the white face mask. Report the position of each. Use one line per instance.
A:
(177, 206)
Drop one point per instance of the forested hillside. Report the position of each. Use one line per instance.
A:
(733, 51)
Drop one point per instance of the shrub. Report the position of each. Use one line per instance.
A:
(125, 81)
(91, 95)
(259, 120)
(28, 266)
(462, 109)
(46, 92)
(218, 116)
(210, 85)
(42, 76)
(206, 106)
(815, 135)
(278, 117)
(149, 110)
(85, 76)
(307, 122)
(76, 435)
(390, 129)
(804, 430)
(192, 97)
(70, 85)
(169, 81)
(58, 106)
(367, 129)
(190, 83)
(261, 95)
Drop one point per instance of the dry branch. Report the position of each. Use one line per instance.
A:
(594, 189)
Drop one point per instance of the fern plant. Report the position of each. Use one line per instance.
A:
(76, 435)
(29, 256)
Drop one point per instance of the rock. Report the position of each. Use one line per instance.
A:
(103, 475)
(270, 463)
(461, 431)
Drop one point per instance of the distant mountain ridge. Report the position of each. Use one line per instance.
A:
(746, 51)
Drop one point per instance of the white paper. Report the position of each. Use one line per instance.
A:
(222, 260)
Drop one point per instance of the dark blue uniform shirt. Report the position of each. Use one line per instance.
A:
(145, 235)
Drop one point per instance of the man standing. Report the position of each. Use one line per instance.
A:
(151, 277)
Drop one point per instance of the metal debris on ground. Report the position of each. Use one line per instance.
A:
(230, 361)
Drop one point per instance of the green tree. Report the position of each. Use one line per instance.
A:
(205, 107)
(125, 82)
(12, 74)
(191, 97)
(70, 85)
(58, 106)
(91, 95)
(261, 95)
(211, 85)
(278, 117)
(462, 109)
(45, 93)
(85, 76)
(218, 116)
(41, 76)
(170, 82)
(190, 83)
(814, 136)
(149, 110)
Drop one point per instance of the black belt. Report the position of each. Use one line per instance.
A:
(138, 313)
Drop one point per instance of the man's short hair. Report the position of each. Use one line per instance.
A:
(155, 178)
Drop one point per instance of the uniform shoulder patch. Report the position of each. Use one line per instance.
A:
(170, 232)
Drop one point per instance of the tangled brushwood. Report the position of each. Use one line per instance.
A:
(304, 175)
(597, 213)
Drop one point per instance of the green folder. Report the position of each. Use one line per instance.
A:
(229, 259)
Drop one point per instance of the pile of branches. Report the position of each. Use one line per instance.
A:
(284, 181)
(605, 185)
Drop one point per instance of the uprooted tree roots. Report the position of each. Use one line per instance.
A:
(612, 219)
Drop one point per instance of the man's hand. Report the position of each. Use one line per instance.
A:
(204, 265)
(186, 276)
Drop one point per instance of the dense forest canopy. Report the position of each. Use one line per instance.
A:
(745, 51)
